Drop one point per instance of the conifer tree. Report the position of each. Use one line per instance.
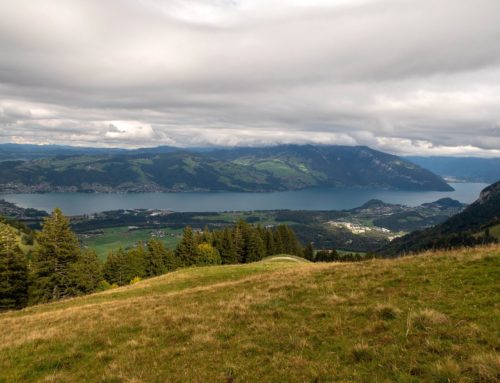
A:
(122, 266)
(13, 271)
(135, 262)
(226, 247)
(170, 261)
(237, 237)
(206, 236)
(309, 252)
(279, 247)
(295, 247)
(327, 256)
(245, 231)
(186, 249)
(269, 242)
(255, 250)
(85, 273)
(112, 268)
(56, 251)
(155, 258)
(288, 242)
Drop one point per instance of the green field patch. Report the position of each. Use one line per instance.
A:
(116, 237)
(277, 168)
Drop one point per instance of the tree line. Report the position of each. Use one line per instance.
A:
(59, 268)
(334, 255)
(242, 243)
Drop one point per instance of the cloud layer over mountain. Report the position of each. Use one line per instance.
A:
(405, 76)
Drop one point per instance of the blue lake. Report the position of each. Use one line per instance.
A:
(309, 199)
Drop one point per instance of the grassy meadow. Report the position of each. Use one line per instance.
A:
(427, 318)
(115, 237)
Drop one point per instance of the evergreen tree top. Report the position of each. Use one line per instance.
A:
(8, 238)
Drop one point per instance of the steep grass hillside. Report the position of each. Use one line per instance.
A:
(429, 318)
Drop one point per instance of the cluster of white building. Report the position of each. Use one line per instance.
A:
(356, 228)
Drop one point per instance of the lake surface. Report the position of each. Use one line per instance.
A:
(309, 199)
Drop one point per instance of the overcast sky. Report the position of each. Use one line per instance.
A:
(403, 76)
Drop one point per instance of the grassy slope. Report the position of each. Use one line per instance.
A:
(426, 318)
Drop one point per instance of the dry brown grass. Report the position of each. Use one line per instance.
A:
(428, 318)
(485, 367)
(447, 371)
(304, 322)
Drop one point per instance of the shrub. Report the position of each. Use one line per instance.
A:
(103, 286)
(135, 280)
(207, 255)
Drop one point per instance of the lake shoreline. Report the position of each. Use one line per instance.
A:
(305, 199)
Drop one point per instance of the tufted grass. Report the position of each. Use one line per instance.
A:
(427, 318)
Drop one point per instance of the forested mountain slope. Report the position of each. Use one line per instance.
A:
(286, 167)
(473, 225)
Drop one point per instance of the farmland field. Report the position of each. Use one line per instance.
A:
(113, 238)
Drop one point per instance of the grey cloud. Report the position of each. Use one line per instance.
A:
(405, 75)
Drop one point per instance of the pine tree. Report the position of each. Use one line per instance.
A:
(206, 235)
(135, 262)
(288, 241)
(269, 242)
(226, 248)
(112, 268)
(248, 240)
(122, 266)
(170, 261)
(13, 271)
(309, 252)
(85, 273)
(186, 249)
(57, 249)
(295, 247)
(155, 258)
(255, 250)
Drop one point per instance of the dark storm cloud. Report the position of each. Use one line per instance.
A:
(403, 76)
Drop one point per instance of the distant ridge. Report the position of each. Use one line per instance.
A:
(284, 167)
(466, 169)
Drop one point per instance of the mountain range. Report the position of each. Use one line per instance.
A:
(462, 169)
(286, 167)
